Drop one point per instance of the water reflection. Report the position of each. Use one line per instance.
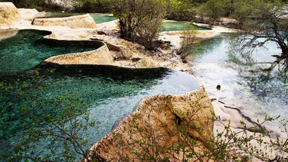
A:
(255, 82)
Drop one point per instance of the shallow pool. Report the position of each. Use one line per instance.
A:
(28, 49)
(102, 18)
(111, 93)
(179, 26)
(243, 86)
(98, 17)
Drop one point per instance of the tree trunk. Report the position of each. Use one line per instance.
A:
(284, 51)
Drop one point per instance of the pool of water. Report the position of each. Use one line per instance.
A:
(98, 17)
(28, 49)
(179, 26)
(244, 86)
(111, 93)
(102, 18)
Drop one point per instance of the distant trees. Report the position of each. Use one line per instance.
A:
(269, 23)
(262, 21)
(25, 3)
(181, 10)
(242, 9)
(38, 4)
(139, 20)
(100, 6)
(213, 9)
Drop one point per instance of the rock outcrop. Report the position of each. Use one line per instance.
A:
(7, 33)
(81, 21)
(9, 14)
(158, 127)
(30, 14)
(100, 56)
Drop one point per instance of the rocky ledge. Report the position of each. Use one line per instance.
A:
(160, 124)
(4, 34)
(100, 56)
(9, 14)
(74, 22)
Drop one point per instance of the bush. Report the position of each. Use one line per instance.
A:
(188, 44)
(139, 20)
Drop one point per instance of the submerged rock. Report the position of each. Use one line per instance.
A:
(9, 14)
(159, 124)
(81, 21)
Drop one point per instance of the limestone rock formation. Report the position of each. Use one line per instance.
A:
(81, 21)
(100, 56)
(7, 33)
(9, 14)
(30, 14)
(158, 127)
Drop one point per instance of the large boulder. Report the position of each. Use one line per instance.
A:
(9, 14)
(81, 21)
(158, 127)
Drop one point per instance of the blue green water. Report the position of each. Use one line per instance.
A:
(28, 49)
(179, 26)
(98, 18)
(102, 18)
(111, 93)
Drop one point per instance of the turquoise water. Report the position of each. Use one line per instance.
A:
(244, 85)
(179, 26)
(98, 18)
(28, 49)
(111, 93)
(102, 18)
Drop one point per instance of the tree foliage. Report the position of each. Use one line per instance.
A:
(139, 20)
(213, 9)
(181, 10)
(38, 4)
(269, 24)
(98, 6)
(54, 127)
